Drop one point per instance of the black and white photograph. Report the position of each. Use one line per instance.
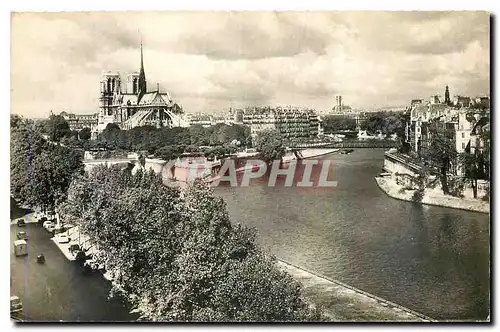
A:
(250, 166)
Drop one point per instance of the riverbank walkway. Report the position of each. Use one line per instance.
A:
(344, 303)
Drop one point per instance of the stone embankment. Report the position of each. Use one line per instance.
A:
(431, 197)
(344, 303)
(312, 153)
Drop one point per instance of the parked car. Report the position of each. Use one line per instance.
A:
(22, 236)
(40, 259)
(50, 228)
(91, 264)
(59, 229)
(37, 214)
(15, 304)
(73, 248)
(21, 223)
(80, 257)
(68, 226)
(20, 248)
(47, 223)
(62, 238)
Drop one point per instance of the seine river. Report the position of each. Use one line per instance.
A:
(430, 259)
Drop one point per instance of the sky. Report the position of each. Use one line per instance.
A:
(211, 61)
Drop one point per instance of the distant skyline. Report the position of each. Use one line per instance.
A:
(210, 61)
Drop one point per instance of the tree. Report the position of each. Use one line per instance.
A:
(177, 257)
(15, 121)
(374, 123)
(112, 126)
(167, 153)
(40, 172)
(485, 136)
(197, 135)
(25, 145)
(441, 153)
(270, 145)
(469, 162)
(57, 127)
(85, 133)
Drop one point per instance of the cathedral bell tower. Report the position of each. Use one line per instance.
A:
(447, 100)
(110, 88)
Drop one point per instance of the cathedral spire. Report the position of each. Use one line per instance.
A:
(142, 79)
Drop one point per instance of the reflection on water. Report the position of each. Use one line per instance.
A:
(434, 260)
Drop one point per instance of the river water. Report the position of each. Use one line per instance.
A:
(431, 259)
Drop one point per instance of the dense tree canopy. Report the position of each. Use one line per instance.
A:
(335, 123)
(387, 123)
(41, 171)
(172, 142)
(56, 127)
(177, 257)
(85, 133)
(270, 145)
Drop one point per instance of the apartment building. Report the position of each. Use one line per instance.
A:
(293, 123)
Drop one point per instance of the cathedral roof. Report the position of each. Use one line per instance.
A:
(149, 97)
(129, 97)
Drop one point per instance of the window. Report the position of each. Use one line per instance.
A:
(463, 145)
(463, 135)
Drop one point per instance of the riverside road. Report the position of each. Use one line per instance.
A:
(57, 290)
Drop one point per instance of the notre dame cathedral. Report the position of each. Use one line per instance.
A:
(135, 106)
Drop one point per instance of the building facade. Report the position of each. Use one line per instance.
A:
(461, 101)
(435, 99)
(462, 126)
(338, 104)
(79, 121)
(207, 120)
(418, 129)
(294, 124)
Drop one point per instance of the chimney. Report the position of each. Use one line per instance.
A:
(158, 87)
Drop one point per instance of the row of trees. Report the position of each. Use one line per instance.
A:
(177, 257)
(163, 142)
(150, 138)
(40, 171)
(387, 123)
(171, 142)
(336, 123)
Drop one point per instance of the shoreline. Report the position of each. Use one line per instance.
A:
(352, 304)
(318, 152)
(385, 184)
